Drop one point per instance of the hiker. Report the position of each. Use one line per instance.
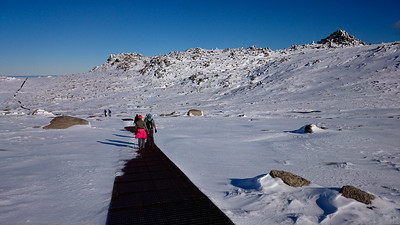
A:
(151, 125)
(141, 133)
(105, 113)
(109, 112)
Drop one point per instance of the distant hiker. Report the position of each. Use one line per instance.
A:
(105, 113)
(141, 132)
(151, 125)
(109, 112)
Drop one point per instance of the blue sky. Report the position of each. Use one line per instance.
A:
(55, 37)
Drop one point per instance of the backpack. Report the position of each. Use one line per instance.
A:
(149, 123)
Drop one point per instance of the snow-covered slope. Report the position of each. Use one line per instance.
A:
(313, 77)
(254, 101)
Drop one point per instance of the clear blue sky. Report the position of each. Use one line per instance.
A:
(54, 37)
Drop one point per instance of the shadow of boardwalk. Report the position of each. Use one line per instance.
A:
(153, 190)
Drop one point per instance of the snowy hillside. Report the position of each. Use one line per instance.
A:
(312, 76)
(254, 100)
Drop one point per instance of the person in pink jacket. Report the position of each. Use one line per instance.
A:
(142, 131)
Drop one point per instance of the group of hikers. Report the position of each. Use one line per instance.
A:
(144, 130)
(107, 112)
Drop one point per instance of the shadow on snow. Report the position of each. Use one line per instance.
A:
(118, 143)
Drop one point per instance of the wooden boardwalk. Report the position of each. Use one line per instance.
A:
(153, 190)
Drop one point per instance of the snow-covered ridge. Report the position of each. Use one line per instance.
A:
(313, 75)
(203, 58)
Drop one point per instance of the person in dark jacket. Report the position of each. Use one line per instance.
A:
(136, 118)
(151, 125)
(142, 132)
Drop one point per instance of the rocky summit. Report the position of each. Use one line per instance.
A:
(341, 38)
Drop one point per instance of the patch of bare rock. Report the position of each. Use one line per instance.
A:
(63, 122)
(289, 178)
(356, 194)
(195, 112)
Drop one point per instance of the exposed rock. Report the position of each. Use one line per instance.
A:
(42, 112)
(169, 114)
(63, 122)
(111, 58)
(341, 38)
(356, 194)
(288, 178)
(308, 128)
(195, 112)
(125, 66)
(253, 47)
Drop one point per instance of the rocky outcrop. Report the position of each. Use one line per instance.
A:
(356, 194)
(341, 38)
(288, 178)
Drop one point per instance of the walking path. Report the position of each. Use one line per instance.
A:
(153, 190)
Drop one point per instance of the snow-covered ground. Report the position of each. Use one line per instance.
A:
(255, 102)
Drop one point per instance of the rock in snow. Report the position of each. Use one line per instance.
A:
(195, 112)
(308, 129)
(289, 178)
(42, 112)
(356, 194)
(63, 122)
